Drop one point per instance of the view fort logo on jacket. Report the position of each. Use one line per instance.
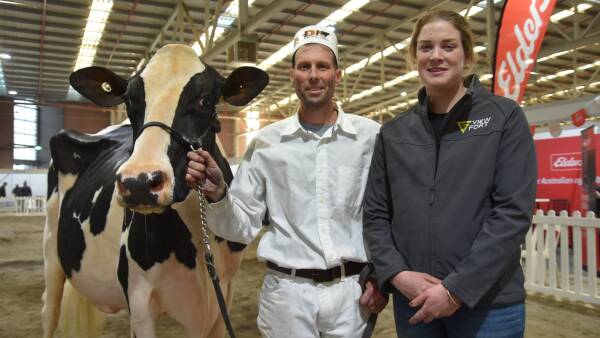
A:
(469, 125)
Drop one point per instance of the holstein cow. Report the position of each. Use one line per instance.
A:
(122, 226)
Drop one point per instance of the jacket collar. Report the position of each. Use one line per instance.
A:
(342, 122)
(472, 83)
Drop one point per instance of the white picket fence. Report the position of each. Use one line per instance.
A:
(34, 205)
(553, 260)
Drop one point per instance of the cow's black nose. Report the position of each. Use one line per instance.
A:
(141, 190)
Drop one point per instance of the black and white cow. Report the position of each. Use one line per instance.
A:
(122, 226)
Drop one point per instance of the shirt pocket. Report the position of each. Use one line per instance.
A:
(350, 187)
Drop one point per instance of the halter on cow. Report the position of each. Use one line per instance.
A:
(137, 246)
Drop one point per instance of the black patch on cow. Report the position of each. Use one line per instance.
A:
(52, 181)
(195, 116)
(72, 151)
(94, 173)
(100, 209)
(127, 217)
(123, 272)
(233, 246)
(136, 104)
(154, 237)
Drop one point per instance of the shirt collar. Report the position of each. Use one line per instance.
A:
(342, 122)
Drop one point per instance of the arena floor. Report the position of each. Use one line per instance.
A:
(21, 273)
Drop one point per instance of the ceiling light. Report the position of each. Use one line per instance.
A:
(561, 15)
(476, 8)
(375, 57)
(478, 49)
(94, 28)
(12, 92)
(92, 34)
(5, 56)
(388, 84)
(485, 77)
(568, 12)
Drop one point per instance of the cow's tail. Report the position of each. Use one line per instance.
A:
(79, 317)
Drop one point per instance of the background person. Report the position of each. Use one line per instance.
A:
(3, 190)
(25, 190)
(450, 196)
(310, 171)
(16, 191)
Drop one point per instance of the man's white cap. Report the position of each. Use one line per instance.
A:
(316, 34)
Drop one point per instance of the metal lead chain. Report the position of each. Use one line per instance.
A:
(210, 262)
(202, 201)
(208, 257)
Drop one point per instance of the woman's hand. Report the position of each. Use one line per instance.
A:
(435, 303)
(411, 283)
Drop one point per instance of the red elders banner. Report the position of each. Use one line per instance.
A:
(522, 28)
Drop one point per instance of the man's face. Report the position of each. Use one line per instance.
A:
(315, 75)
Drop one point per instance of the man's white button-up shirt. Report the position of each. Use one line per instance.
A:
(313, 187)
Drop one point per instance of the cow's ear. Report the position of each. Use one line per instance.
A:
(244, 84)
(99, 85)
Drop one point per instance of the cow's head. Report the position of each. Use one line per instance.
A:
(176, 91)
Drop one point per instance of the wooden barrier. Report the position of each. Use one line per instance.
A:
(35, 205)
(560, 253)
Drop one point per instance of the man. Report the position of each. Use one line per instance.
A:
(310, 171)
(16, 191)
(3, 190)
(25, 190)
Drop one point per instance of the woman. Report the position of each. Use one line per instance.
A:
(450, 195)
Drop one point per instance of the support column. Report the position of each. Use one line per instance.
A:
(6, 133)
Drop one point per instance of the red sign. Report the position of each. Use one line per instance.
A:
(560, 169)
(579, 117)
(565, 161)
(522, 28)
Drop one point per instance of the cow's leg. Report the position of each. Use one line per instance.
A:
(190, 303)
(218, 329)
(144, 310)
(53, 273)
(55, 281)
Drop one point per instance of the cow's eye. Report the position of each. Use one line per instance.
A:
(204, 102)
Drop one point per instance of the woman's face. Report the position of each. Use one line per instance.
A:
(440, 56)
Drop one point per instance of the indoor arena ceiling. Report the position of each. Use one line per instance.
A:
(43, 39)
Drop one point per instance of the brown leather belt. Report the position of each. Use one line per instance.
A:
(321, 276)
